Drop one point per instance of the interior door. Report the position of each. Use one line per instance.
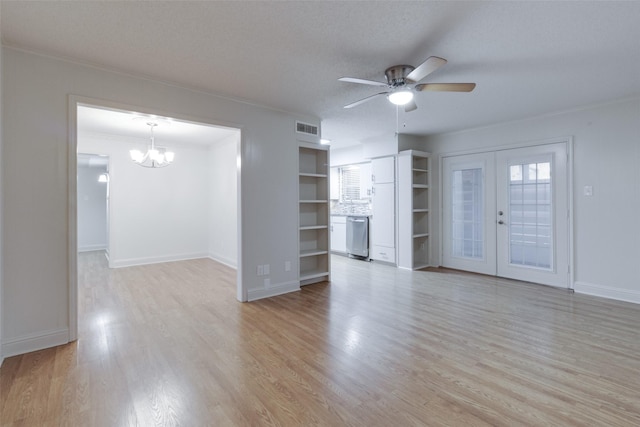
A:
(505, 213)
(532, 214)
(469, 227)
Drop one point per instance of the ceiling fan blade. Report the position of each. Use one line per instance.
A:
(410, 106)
(361, 81)
(445, 87)
(362, 101)
(427, 67)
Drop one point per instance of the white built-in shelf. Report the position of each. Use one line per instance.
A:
(312, 253)
(413, 209)
(314, 274)
(314, 227)
(314, 175)
(313, 213)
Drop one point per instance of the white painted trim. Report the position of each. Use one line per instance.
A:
(510, 146)
(91, 248)
(131, 262)
(607, 292)
(35, 342)
(223, 260)
(570, 222)
(273, 290)
(72, 215)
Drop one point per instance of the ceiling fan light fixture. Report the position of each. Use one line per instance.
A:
(400, 97)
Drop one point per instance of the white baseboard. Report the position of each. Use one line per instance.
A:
(131, 262)
(35, 342)
(89, 248)
(273, 290)
(224, 260)
(607, 292)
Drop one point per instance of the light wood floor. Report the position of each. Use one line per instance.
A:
(168, 345)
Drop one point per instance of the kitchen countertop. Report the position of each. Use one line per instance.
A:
(354, 214)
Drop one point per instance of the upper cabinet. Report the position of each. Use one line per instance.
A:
(365, 180)
(334, 183)
(383, 170)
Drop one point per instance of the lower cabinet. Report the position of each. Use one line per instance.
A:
(383, 236)
(383, 253)
(339, 234)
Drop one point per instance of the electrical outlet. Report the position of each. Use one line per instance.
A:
(266, 269)
(260, 270)
(267, 282)
(588, 190)
(287, 266)
(422, 246)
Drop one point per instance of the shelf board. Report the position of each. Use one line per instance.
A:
(312, 252)
(314, 227)
(420, 170)
(315, 201)
(313, 175)
(420, 186)
(312, 274)
(420, 210)
(417, 235)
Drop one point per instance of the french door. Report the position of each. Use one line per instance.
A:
(505, 213)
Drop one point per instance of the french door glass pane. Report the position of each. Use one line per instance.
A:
(530, 224)
(467, 214)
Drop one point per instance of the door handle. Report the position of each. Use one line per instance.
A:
(501, 222)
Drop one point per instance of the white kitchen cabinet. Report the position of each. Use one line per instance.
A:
(313, 213)
(365, 180)
(383, 170)
(383, 222)
(413, 209)
(339, 234)
(334, 183)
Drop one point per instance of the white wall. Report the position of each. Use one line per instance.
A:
(223, 201)
(157, 215)
(36, 189)
(606, 156)
(346, 156)
(92, 208)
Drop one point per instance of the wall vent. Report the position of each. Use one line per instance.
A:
(306, 128)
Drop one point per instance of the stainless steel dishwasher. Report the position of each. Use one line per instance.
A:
(358, 236)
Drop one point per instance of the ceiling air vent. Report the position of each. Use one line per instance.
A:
(306, 128)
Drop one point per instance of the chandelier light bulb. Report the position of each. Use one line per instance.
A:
(153, 157)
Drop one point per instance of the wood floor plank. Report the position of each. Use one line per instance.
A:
(168, 345)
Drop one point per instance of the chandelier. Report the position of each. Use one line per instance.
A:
(155, 157)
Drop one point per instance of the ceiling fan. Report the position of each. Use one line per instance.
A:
(400, 79)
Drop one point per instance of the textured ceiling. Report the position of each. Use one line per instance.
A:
(527, 58)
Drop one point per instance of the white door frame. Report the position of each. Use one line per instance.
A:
(72, 215)
(568, 140)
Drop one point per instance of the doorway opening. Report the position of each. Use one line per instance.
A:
(190, 209)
